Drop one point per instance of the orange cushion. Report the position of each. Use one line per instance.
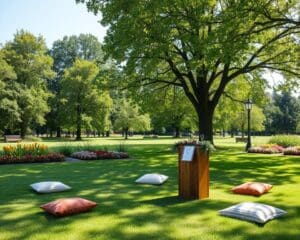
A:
(68, 206)
(252, 188)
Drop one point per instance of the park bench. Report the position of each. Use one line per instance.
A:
(241, 139)
(12, 138)
(151, 136)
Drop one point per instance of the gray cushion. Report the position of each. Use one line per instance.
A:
(254, 212)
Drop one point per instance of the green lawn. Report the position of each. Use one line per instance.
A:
(129, 211)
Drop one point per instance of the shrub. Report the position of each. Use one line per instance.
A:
(286, 140)
(266, 148)
(50, 157)
(66, 150)
(110, 155)
(97, 154)
(292, 151)
(85, 155)
(120, 148)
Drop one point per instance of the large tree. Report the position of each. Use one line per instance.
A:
(83, 100)
(200, 45)
(27, 54)
(64, 52)
(9, 110)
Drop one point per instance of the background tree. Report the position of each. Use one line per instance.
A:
(9, 110)
(82, 98)
(64, 53)
(27, 55)
(283, 113)
(230, 113)
(101, 121)
(203, 45)
(172, 109)
(129, 118)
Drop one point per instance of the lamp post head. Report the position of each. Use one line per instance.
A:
(248, 104)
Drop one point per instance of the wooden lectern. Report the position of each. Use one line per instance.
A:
(193, 174)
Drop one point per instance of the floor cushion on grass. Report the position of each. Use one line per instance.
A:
(68, 206)
(252, 188)
(152, 178)
(49, 187)
(254, 212)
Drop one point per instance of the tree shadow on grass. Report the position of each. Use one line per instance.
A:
(165, 201)
(130, 211)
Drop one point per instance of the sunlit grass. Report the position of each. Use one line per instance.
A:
(129, 211)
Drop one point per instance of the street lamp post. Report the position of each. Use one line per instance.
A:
(248, 105)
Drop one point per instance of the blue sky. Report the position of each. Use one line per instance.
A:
(53, 19)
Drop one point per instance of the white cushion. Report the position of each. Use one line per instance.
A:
(152, 178)
(254, 212)
(49, 187)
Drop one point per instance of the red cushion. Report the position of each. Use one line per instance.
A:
(68, 206)
(252, 188)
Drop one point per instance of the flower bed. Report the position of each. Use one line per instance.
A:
(292, 151)
(267, 149)
(50, 157)
(29, 153)
(20, 150)
(94, 155)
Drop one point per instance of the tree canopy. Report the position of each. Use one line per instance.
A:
(201, 46)
(82, 98)
(9, 109)
(27, 55)
(64, 52)
(129, 118)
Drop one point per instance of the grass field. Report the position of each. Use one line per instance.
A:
(129, 211)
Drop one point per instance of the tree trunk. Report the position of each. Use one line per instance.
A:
(231, 133)
(78, 123)
(177, 132)
(205, 126)
(107, 134)
(243, 130)
(126, 133)
(58, 132)
(23, 128)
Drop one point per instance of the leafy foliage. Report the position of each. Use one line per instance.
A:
(200, 46)
(82, 98)
(128, 118)
(9, 109)
(64, 53)
(172, 109)
(26, 54)
(286, 140)
(283, 113)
